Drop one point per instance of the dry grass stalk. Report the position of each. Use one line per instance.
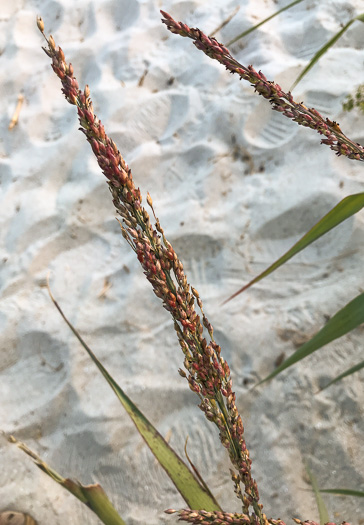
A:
(14, 120)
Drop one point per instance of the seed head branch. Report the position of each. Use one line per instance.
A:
(208, 374)
(213, 518)
(281, 101)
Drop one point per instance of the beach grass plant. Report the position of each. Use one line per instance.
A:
(205, 369)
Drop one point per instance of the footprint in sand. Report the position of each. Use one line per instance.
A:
(43, 360)
(294, 222)
(202, 257)
(118, 15)
(267, 128)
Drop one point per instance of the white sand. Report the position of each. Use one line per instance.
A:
(234, 185)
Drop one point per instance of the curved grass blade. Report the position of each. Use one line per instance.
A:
(324, 515)
(194, 494)
(93, 496)
(325, 48)
(196, 471)
(345, 320)
(251, 29)
(344, 492)
(342, 211)
(348, 372)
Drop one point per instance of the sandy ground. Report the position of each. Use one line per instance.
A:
(234, 185)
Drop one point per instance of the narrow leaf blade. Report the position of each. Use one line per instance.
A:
(192, 492)
(190, 489)
(324, 515)
(93, 496)
(344, 492)
(348, 372)
(345, 320)
(321, 52)
(251, 29)
(342, 211)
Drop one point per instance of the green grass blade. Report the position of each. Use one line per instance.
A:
(262, 22)
(93, 496)
(342, 211)
(344, 492)
(348, 372)
(194, 494)
(324, 515)
(346, 319)
(325, 48)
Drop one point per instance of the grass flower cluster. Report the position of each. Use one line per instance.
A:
(281, 101)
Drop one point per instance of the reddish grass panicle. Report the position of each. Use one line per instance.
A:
(208, 374)
(281, 101)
